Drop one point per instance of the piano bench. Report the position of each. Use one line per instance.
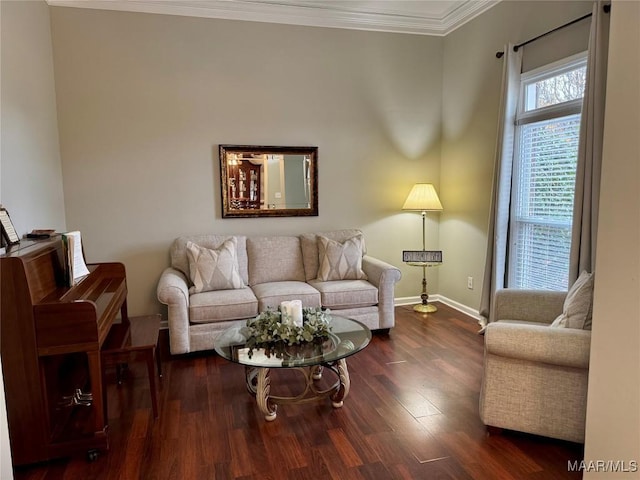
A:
(134, 341)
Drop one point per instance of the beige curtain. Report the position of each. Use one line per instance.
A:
(585, 210)
(495, 263)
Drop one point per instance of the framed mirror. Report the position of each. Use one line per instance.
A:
(259, 181)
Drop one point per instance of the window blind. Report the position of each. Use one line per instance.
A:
(543, 203)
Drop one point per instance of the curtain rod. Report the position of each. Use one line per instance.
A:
(606, 8)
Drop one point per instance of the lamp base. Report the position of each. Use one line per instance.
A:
(428, 308)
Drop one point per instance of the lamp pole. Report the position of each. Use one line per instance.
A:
(424, 306)
(423, 198)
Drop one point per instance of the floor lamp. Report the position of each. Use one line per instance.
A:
(423, 198)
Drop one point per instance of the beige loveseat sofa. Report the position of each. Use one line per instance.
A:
(535, 371)
(272, 269)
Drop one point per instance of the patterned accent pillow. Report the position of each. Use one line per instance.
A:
(340, 261)
(577, 308)
(214, 269)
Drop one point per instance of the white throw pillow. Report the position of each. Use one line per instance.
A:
(214, 269)
(577, 309)
(340, 261)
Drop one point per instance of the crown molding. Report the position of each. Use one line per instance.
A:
(467, 12)
(305, 12)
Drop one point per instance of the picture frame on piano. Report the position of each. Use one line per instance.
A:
(9, 234)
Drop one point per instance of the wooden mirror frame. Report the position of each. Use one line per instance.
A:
(259, 207)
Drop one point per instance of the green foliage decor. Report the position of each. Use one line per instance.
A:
(271, 328)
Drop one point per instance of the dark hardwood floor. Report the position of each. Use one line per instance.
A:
(412, 413)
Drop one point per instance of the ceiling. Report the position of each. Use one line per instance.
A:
(421, 17)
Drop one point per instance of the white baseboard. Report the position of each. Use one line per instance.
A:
(399, 301)
(461, 307)
(439, 298)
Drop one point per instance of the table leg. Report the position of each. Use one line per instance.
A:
(150, 354)
(251, 377)
(316, 372)
(345, 384)
(158, 361)
(262, 395)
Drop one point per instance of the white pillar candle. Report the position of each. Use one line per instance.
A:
(296, 312)
(286, 313)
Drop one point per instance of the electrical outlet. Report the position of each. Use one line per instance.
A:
(470, 283)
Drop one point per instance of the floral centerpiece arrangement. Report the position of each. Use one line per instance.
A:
(274, 330)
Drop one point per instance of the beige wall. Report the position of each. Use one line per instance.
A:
(144, 100)
(471, 95)
(139, 127)
(6, 470)
(613, 408)
(30, 169)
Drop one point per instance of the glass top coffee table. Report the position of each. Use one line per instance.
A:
(346, 338)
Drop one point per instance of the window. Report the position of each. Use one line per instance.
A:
(544, 171)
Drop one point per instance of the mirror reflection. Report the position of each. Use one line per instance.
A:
(268, 181)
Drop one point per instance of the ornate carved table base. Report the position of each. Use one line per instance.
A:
(259, 385)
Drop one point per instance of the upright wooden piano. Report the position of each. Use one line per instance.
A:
(50, 336)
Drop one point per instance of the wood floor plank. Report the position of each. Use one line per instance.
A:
(412, 413)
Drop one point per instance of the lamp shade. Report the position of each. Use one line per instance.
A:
(422, 197)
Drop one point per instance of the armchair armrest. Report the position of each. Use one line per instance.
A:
(541, 306)
(173, 291)
(566, 347)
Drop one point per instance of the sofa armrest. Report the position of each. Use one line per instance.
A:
(173, 291)
(568, 347)
(541, 306)
(383, 276)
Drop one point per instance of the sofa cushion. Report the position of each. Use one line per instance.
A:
(577, 309)
(340, 260)
(309, 243)
(220, 305)
(271, 294)
(178, 252)
(213, 269)
(346, 293)
(274, 259)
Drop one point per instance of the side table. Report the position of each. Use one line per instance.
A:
(132, 341)
(425, 306)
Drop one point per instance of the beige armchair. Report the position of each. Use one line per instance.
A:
(535, 375)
